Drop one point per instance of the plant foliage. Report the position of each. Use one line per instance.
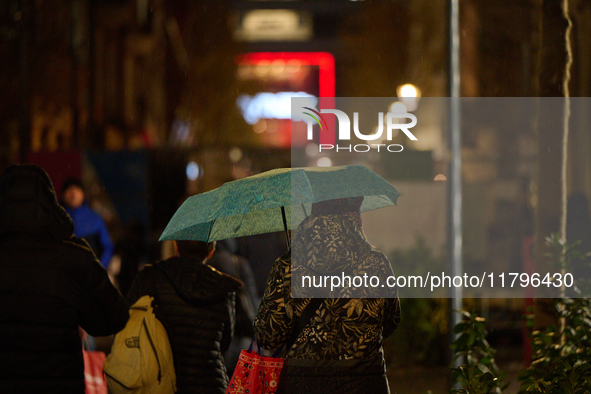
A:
(562, 351)
(478, 372)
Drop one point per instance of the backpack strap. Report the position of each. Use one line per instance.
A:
(307, 315)
(152, 289)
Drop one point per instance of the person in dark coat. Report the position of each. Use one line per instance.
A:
(261, 251)
(50, 284)
(87, 223)
(226, 261)
(196, 305)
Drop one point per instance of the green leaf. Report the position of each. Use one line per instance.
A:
(458, 328)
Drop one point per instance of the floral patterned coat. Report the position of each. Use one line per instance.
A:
(342, 328)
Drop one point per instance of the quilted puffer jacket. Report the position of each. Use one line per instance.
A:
(195, 303)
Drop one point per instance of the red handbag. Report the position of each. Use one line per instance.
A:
(93, 372)
(255, 373)
(258, 374)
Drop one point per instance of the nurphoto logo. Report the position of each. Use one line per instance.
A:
(393, 121)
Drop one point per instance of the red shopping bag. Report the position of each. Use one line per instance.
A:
(93, 372)
(255, 373)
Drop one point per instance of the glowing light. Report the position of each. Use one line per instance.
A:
(410, 95)
(272, 126)
(193, 171)
(269, 105)
(312, 149)
(326, 76)
(260, 126)
(408, 90)
(324, 162)
(324, 61)
(440, 177)
(293, 66)
(274, 25)
(263, 68)
(277, 67)
(398, 108)
(235, 154)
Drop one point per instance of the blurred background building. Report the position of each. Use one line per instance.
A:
(151, 101)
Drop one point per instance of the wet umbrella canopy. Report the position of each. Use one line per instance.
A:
(274, 200)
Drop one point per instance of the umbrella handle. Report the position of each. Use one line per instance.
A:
(285, 226)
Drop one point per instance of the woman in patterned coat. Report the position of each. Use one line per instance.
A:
(339, 349)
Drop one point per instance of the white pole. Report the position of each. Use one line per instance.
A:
(455, 170)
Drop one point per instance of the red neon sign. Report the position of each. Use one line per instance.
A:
(326, 76)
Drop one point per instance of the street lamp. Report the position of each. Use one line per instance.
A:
(410, 95)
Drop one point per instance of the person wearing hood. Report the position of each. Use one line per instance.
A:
(87, 223)
(333, 341)
(196, 305)
(51, 284)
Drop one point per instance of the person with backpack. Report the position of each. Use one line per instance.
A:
(51, 283)
(196, 305)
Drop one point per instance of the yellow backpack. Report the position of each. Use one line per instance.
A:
(141, 357)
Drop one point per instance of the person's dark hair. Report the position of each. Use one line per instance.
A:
(72, 181)
(194, 249)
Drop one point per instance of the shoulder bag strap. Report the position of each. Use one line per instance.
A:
(153, 288)
(307, 315)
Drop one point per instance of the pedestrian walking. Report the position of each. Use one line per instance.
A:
(51, 284)
(87, 223)
(196, 305)
(226, 261)
(334, 345)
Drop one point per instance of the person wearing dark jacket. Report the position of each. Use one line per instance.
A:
(196, 306)
(50, 284)
(238, 267)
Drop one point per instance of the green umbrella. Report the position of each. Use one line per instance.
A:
(273, 201)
